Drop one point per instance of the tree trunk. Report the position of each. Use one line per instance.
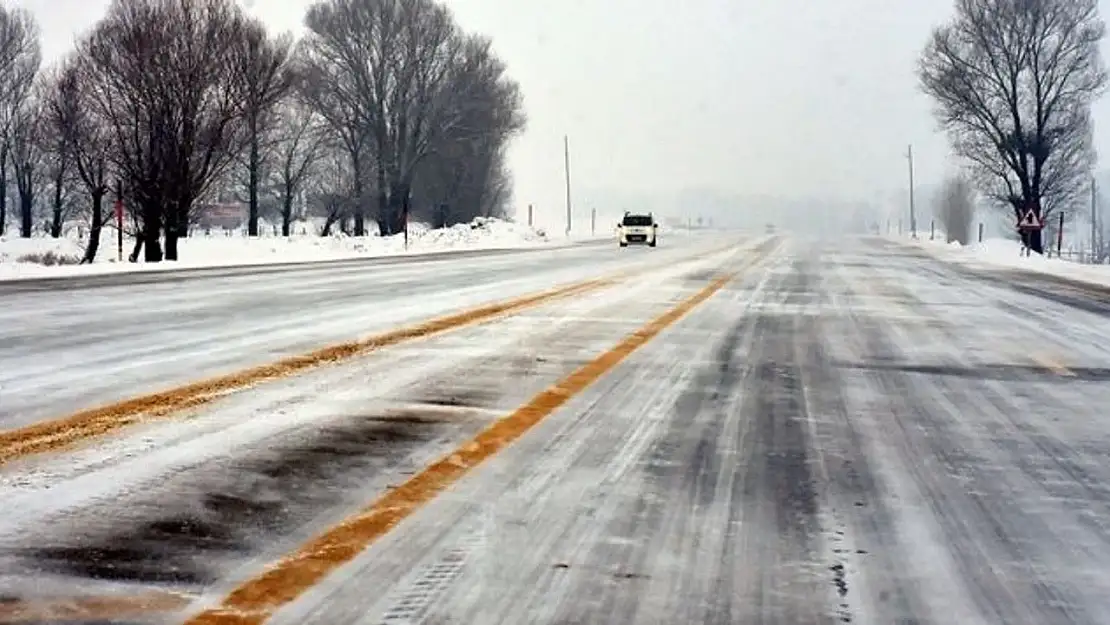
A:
(383, 213)
(383, 201)
(360, 205)
(95, 228)
(252, 188)
(1035, 240)
(152, 233)
(172, 231)
(26, 214)
(397, 204)
(406, 213)
(56, 216)
(173, 235)
(286, 212)
(3, 190)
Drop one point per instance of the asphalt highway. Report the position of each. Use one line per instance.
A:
(763, 430)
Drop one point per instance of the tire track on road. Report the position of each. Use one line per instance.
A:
(782, 538)
(683, 485)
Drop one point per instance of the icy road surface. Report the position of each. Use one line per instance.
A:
(861, 435)
(70, 343)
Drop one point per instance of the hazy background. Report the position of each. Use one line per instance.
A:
(739, 111)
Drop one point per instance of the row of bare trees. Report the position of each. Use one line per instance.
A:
(383, 111)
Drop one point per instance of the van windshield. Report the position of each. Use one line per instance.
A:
(637, 220)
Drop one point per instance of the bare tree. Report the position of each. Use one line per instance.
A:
(420, 107)
(20, 59)
(57, 157)
(377, 70)
(1013, 82)
(497, 188)
(331, 194)
(266, 81)
(59, 171)
(340, 63)
(956, 209)
(300, 142)
(28, 158)
(82, 137)
(4, 159)
(464, 175)
(165, 77)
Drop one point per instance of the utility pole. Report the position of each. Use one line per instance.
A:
(566, 168)
(913, 216)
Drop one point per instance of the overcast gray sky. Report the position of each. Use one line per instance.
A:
(785, 98)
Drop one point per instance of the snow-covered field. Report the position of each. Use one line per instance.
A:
(1007, 254)
(43, 256)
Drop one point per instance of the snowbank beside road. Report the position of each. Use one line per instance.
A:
(1007, 254)
(45, 257)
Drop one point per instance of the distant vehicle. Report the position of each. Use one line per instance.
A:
(770, 228)
(637, 228)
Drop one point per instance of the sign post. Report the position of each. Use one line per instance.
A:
(1029, 222)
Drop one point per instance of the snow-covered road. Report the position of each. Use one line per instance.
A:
(67, 344)
(865, 435)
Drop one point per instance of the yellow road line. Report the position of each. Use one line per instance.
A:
(253, 602)
(65, 432)
(90, 608)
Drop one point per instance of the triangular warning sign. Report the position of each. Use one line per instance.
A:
(1030, 220)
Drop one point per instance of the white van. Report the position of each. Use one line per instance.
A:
(638, 229)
